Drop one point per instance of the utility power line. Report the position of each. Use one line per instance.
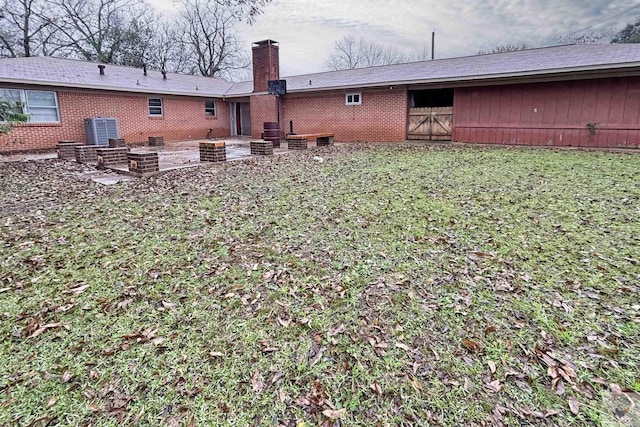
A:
(605, 20)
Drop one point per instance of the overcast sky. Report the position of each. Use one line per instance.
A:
(308, 29)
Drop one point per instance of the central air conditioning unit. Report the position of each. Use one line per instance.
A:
(100, 129)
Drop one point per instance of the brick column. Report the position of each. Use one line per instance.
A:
(117, 143)
(156, 141)
(213, 152)
(297, 144)
(325, 141)
(66, 149)
(263, 148)
(143, 163)
(111, 156)
(86, 154)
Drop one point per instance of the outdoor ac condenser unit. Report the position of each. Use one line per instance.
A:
(100, 129)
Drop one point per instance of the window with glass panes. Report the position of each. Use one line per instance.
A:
(40, 105)
(155, 107)
(209, 107)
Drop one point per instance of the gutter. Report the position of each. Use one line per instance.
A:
(485, 77)
(110, 88)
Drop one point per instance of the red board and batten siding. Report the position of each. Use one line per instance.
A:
(552, 114)
(184, 118)
(381, 117)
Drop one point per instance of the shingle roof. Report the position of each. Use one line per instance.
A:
(532, 62)
(74, 73)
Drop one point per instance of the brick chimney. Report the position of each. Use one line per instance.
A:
(266, 64)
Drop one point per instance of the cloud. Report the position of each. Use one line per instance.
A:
(307, 29)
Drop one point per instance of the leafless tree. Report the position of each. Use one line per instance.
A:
(350, 53)
(102, 30)
(420, 54)
(244, 9)
(25, 28)
(210, 39)
(167, 51)
(504, 48)
(595, 37)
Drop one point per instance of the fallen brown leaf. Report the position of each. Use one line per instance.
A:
(76, 291)
(51, 402)
(376, 388)
(334, 414)
(472, 346)
(43, 328)
(493, 386)
(403, 346)
(335, 331)
(574, 405)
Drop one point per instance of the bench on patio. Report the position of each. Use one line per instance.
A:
(299, 142)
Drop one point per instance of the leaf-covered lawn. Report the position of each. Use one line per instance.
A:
(385, 285)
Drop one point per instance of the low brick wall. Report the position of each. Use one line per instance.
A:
(213, 152)
(117, 143)
(262, 148)
(325, 141)
(156, 141)
(86, 153)
(111, 156)
(66, 149)
(143, 163)
(297, 144)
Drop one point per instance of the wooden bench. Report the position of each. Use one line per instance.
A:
(299, 142)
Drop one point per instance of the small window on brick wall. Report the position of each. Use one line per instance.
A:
(353, 99)
(155, 107)
(209, 108)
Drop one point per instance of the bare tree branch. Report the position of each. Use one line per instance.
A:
(210, 38)
(349, 53)
(504, 48)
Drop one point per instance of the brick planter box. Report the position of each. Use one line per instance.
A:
(156, 141)
(297, 144)
(111, 156)
(117, 143)
(213, 152)
(325, 141)
(66, 149)
(143, 163)
(262, 148)
(86, 153)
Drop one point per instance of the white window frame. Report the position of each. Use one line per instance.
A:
(25, 104)
(349, 98)
(161, 106)
(213, 112)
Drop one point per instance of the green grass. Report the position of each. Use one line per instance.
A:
(269, 291)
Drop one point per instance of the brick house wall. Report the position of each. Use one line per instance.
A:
(551, 114)
(183, 119)
(263, 109)
(382, 117)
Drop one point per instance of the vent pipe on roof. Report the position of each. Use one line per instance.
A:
(164, 74)
(101, 67)
(144, 69)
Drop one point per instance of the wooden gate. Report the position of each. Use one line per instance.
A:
(431, 123)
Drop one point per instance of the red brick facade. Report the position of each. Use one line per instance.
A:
(382, 116)
(552, 114)
(183, 119)
(263, 109)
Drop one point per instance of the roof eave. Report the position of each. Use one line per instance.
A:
(108, 88)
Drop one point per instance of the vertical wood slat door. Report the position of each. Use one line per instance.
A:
(431, 123)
